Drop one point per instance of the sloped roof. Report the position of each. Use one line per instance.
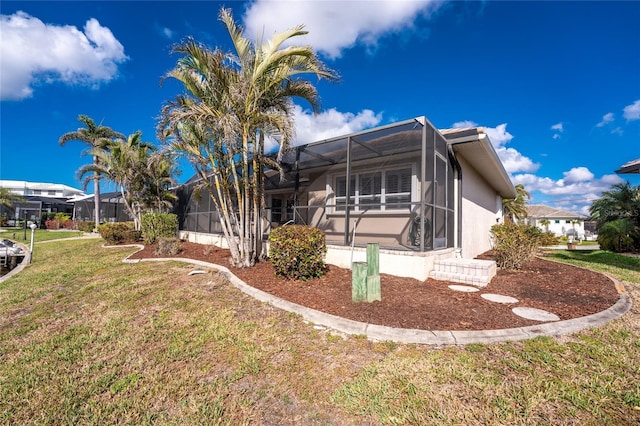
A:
(541, 211)
(630, 167)
(474, 145)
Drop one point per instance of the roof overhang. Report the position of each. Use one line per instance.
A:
(632, 167)
(475, 147)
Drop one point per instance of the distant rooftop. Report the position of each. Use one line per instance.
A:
(630, 167)
(40, 188)
(542, 211)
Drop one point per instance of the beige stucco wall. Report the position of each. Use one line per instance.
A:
(481, 206)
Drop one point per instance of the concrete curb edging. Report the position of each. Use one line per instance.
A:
(25, 261)
(405, 335)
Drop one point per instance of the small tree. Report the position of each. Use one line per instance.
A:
(616, 235)
(545, 223)
(8, 198)
(515, 209)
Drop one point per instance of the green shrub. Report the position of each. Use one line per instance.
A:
(119, 232)
(168, 246)
(159, 225)
(62, 217)
(514, 243)
(548, 238)
(297, 251)
(85, 226)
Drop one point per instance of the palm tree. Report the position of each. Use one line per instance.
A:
(515, 208)
(545, 223)
(8, 198)
(236, 101)
(125, 163)
(620, 202)
(161, 169)
(97, 137)
(616, 235)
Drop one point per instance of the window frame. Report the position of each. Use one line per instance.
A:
(357, 207)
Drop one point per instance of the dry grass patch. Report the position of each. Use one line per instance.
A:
(85, 338)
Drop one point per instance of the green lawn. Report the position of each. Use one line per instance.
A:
(85, 338)
(21, 236)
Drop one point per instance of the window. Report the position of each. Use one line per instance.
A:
(385, 190)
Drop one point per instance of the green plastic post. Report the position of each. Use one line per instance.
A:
(358, 281)
(373, 259)
(373, 288)
(373, 272)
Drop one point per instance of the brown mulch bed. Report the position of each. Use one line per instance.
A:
(564, 290)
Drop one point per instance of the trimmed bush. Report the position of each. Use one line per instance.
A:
(168, 246)
(119, 232)
(514, 243)
(297, 251)
(85, 226)
(159, 225)
(52, 224)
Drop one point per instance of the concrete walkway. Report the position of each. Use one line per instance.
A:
(426, 337)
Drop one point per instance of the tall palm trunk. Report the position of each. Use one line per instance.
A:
(96, 191)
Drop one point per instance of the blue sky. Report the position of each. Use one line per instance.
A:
(556, 85)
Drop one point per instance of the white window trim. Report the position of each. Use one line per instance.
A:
(332, 199)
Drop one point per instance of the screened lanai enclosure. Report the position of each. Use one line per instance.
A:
(392, 185)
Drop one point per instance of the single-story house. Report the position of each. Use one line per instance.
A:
(560, 222)
(426, 196)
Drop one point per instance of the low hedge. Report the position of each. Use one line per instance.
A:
(159, 225)
(297, 251)
(119, 232)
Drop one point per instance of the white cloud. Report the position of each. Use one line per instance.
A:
(578, 174)
(579, 187)
(335, 26)
(606, 119)
(632, 112)
(328, 124)
(331, 123)
(34, 52)
(512, 159)
(168, 33)
(464, 124)
(558, 127)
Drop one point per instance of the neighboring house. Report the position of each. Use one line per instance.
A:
(39, 198)
(632, 167)
(424, 195)
(561, 222)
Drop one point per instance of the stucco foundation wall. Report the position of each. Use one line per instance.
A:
(399, 263)
(479, 211)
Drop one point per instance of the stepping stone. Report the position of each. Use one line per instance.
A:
(535, 314)
(499, 298)
(464, 288)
